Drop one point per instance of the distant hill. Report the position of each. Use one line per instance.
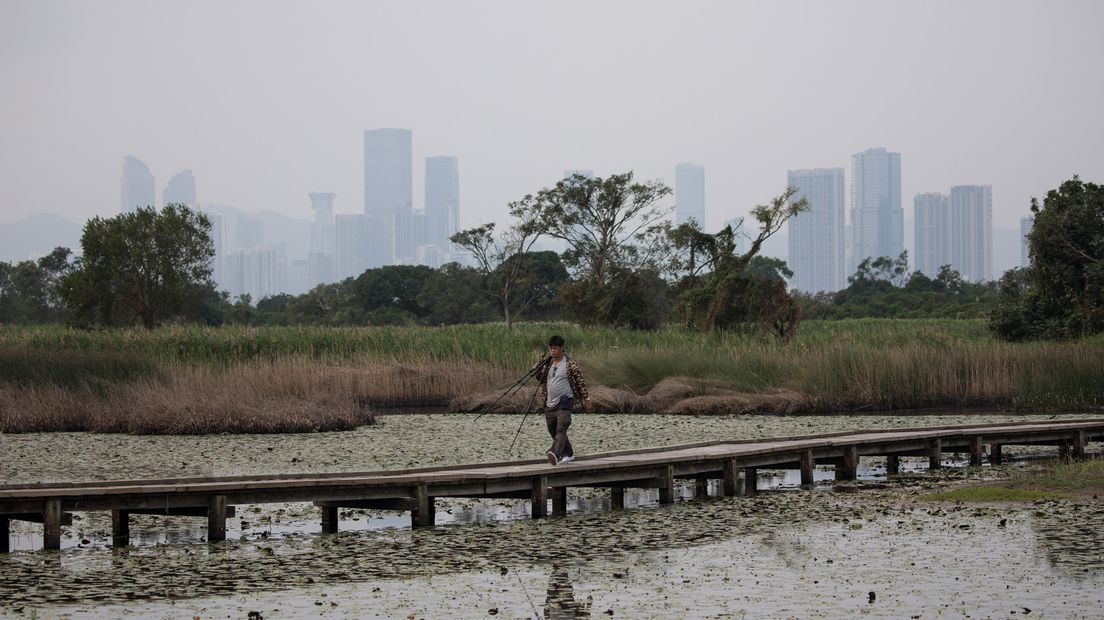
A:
(36, 235)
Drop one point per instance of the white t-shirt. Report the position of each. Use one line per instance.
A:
(558, 382)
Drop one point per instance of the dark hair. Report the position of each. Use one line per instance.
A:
(556, 341)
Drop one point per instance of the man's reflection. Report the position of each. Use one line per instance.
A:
(561, 603)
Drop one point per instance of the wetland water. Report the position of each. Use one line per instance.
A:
(795, 553)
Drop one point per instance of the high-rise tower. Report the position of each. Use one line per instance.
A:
(877, 220)
(136, 186)
(690, 194)
(388, 194)
(442, 201)
(180, 190)
(816, 252)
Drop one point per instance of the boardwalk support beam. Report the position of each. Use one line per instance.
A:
(751, 481)
(935, 454)
(1078, 444)
(120, 528)
(701, 488)
(808, 463)
(422, 512)
(617, 498)
(51, 524)
(893, 465)
(5, 533)
(216, 518)
(850, 468)
(329, 519)
(667, 491)
(976, 450)
(559, 501)
(540, 497)
(730, 471)
(996, 454)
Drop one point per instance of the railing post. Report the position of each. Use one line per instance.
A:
(975, 451)
(617, 498)
(120, 528)
(216, 518)
(751, 481)
(935, 454)
(850, 468)
(729, 486)
(807, 465)
(893, 465)
(422, 513)
(667, 491)
(540, 497)
(559, 501)
(329, 519)
(51, 524)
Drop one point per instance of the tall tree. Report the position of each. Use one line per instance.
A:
(28, 289)
(140, 268)
(496, 256)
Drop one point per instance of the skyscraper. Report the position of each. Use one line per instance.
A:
(971, 225)
(354, 234)
(816, 252)
(442, 200)
(877, 220)
(137, 186)
(388, 192)
(180, 190)
(322, 259)
(932, 217)
(690, 194)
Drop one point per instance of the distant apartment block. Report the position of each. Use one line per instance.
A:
(136, 186)
(442, 200)
(354, 236)
(259, 273)
(932, 233)
(388, 192)
(816, 237)
(322, 257)
(971, 225)
(877, 219)
(956, 230)
(690, 194)
(1026, 224)
(180, 190)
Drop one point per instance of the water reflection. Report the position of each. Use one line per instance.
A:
(560, 603)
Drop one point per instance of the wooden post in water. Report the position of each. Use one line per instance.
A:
(329, 519)
(559, 501)
(51, 524)
(5, 533)
(1078, 445)
(701, 488)
(617, 498)
(728, 488)
(935, 454)
(807, 466)
(422, 513)
(850, 468)
(751, 481)
(996, 455)
(976, 449)
(216, 518)
(667, 491)
(120, 528)
(893, 464)
(540, 497)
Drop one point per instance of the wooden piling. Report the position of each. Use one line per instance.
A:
(216, 518)
(850, 468)
(559, 501)
(330, 518)
(935, 454)
(51, 524)
(667, 491)
(120, 528)
(540, 497)
(422, 512)
(751, 481)
(1078, 445)
(617, 498)
(730, 472)
(893, 465)
(976, 450)
(807, 466)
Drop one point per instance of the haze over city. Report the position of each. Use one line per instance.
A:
(268, 101)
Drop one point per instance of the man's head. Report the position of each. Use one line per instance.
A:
(556, 347)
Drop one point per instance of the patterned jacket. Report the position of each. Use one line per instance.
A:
(574, 376)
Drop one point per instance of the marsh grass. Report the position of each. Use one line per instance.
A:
(1043, 481)
(54, 378)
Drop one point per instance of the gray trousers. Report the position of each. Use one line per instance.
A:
(558, 419)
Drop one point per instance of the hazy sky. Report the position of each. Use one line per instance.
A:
(267, 101)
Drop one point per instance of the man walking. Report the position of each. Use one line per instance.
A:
(562, 383)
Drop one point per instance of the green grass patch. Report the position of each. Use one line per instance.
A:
(1054, 480)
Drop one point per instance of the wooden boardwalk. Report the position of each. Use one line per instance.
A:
(535, 480)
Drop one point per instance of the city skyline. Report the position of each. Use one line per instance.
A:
(721, 95)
